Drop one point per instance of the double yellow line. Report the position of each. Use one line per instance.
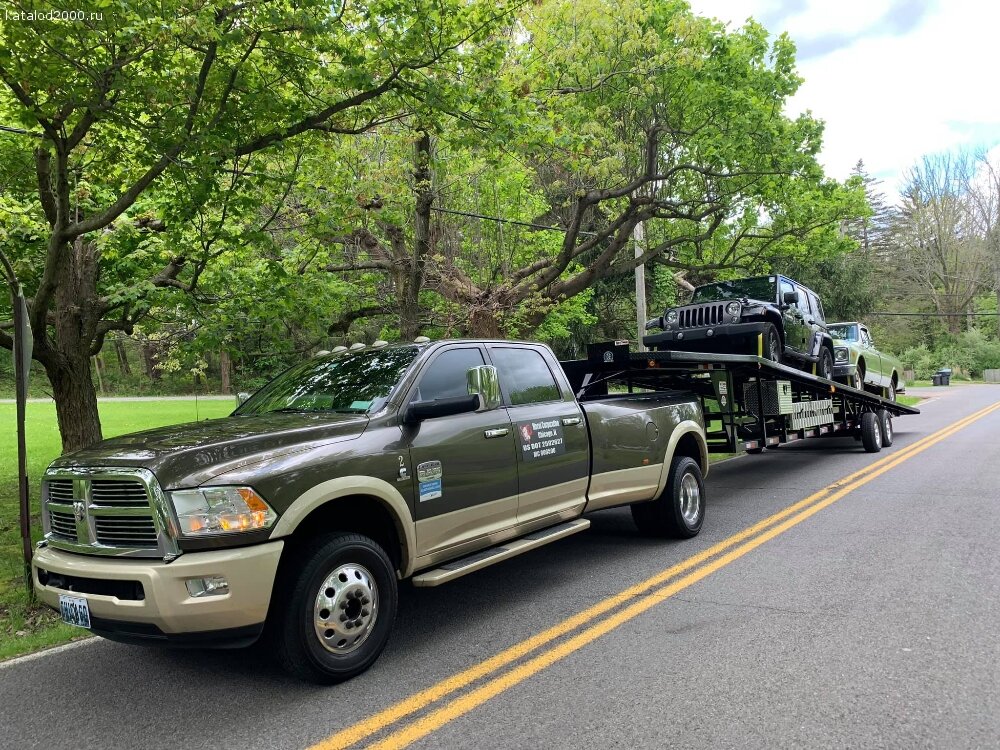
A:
(638, 598)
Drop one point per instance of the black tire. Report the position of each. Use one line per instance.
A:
(772, 344)
(364, 569)
(871, 432)
(859, 376)
(755, 451)
(885, 425)
(890, 392)
(825, 365)
(676, 513)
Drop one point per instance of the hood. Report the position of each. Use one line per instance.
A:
(192, 453)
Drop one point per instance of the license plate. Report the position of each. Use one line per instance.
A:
(75, 611)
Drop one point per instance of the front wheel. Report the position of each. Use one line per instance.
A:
(335, 609)
(825, 369)
(772, 344)
(679, 511)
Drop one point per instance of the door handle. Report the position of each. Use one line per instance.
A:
(499, 432)
(569, 421)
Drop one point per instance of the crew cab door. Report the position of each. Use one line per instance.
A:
(553, 450)
(464, 466)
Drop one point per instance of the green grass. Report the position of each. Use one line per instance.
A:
(25, 627)
(909, 400)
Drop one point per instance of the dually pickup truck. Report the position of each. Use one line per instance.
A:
(294, 518)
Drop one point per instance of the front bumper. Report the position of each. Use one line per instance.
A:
(844, 371)
(727, 338)
(162, 610)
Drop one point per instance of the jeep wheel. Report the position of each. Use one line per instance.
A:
(871, 432)
(772, 344)
(680, 511)
(825, 369)
(336, 607)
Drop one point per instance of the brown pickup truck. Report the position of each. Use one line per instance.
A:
(295, 517)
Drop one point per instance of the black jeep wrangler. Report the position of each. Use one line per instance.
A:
(771, 316)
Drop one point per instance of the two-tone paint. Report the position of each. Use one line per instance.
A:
(363, 472)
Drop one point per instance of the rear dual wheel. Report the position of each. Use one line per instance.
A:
(679, 511)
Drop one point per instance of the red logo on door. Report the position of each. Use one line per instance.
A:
(526, 433)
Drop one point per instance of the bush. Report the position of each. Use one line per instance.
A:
(971, 353)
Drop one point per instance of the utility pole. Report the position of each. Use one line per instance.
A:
(639, 238)
(22, 363)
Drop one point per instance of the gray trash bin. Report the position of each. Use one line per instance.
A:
(936, 379)
(945, 373)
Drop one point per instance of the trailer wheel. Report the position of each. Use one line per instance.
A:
(885, 423)
(679, 511)
(335, 608)
(871, 432)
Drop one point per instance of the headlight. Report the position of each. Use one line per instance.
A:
(220, 510)
(733, 308)
(670, 316)
(840, 354)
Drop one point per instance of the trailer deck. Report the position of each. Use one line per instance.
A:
(749, 403)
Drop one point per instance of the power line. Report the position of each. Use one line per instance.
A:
(937, 315)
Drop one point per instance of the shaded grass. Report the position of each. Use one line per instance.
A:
(25, 627)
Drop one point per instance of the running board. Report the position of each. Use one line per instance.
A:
(484, 558)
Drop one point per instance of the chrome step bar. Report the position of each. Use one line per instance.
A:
(484, 558)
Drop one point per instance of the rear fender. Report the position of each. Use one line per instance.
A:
(687, 427)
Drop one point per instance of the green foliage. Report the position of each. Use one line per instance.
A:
(970, 353)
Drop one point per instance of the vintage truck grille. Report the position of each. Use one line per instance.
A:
(97, 512)
(702, 315)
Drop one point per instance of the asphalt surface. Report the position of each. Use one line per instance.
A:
(872, 623)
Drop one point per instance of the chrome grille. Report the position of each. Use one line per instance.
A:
(119, 512)
(62, 524)
(118, 492)
(128, 531)
(702, 315)
(61, 490)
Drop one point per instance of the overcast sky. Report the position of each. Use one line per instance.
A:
(893, 79)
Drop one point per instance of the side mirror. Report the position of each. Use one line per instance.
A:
(790, 298)
(241, 397)
(484, 382)
(418, 411)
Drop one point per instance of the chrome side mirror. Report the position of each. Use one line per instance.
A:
(485, 382)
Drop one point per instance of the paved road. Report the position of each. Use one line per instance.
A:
(871, 623)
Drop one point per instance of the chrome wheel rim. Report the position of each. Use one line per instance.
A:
(772, 349)
(690, 499)
(345, 609)
(888, 428)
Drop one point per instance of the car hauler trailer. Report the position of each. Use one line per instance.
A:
(750, 403)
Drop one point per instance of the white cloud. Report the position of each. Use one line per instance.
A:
(893, 79)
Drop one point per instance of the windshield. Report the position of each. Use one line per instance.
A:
(760, 288)
(844, 331)
(353, 383)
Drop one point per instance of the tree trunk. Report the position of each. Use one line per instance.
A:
(123, 364)
(149, 361)
(412, 279)
(76, 401)
(225, 371)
